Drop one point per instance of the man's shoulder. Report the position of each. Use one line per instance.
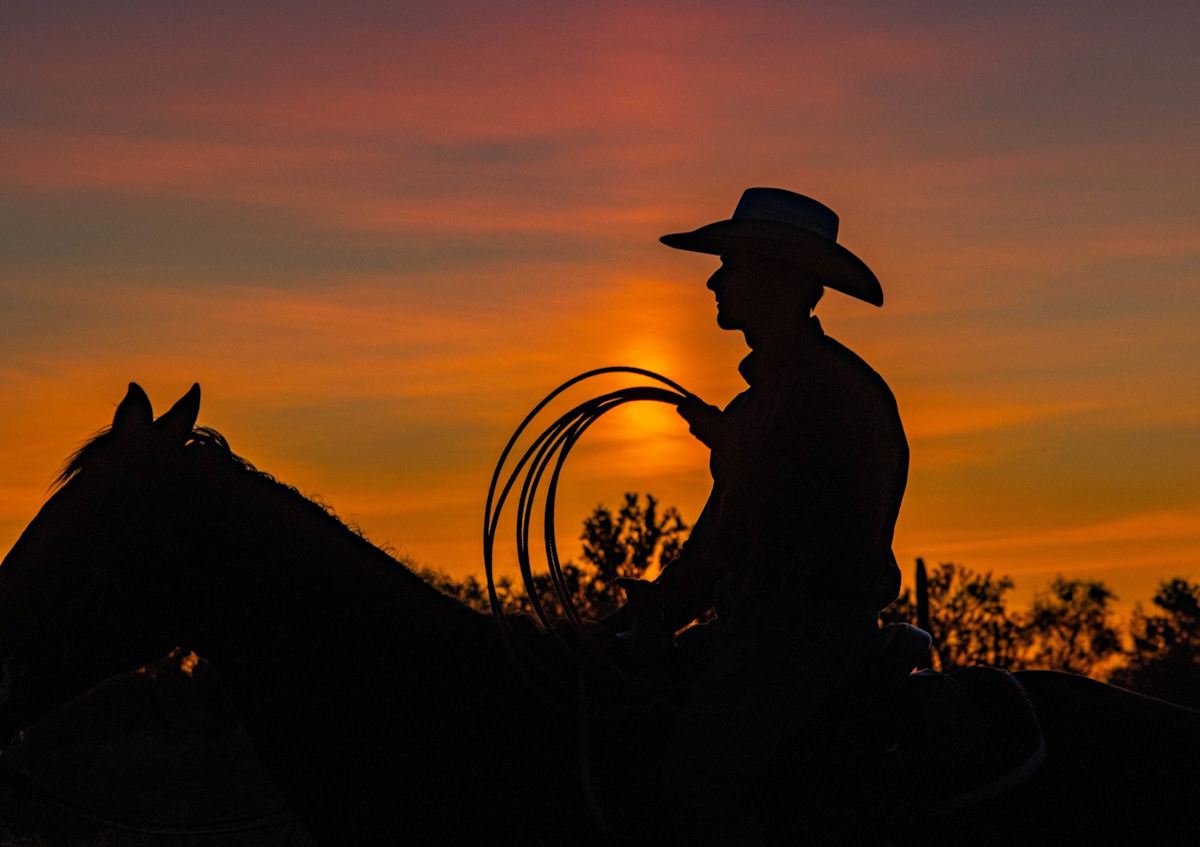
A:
(846, 369)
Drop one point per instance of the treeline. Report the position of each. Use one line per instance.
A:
(1070, 626)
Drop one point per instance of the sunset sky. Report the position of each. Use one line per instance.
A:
(378, 233)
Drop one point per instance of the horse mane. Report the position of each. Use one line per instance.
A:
(210, 442)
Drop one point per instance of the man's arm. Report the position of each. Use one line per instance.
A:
(684, 589)
(679, 595)
(686, 583)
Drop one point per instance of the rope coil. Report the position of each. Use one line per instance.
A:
(550, 450)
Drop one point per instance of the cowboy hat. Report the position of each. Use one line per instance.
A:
(788, 226)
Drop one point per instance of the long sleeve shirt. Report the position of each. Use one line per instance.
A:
(798, 528)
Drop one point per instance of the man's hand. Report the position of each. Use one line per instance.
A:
(644, 601)
(641, 613)
(640, 619)
(650, 635)
(706, 422)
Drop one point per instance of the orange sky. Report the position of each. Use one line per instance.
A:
(378, 235)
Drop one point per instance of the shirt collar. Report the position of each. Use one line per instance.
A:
(762, 364)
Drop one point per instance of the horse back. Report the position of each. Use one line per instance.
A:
(1120, 767)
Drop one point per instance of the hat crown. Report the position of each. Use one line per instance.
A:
(787, 207)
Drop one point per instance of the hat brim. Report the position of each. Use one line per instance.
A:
(836, 266)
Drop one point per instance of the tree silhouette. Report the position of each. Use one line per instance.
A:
(1071, 627)
(968, 618)
(1165, 660)
(634, 541)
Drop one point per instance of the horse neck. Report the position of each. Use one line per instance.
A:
(284, 570)
(337, 656)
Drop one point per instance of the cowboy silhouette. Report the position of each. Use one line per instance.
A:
(794, 546)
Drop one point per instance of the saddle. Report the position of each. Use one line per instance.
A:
(897, 750)
(905, 746)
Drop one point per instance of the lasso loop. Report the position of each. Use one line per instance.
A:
(551, 448)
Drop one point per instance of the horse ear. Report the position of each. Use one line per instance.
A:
(181, 418)
(134, 411)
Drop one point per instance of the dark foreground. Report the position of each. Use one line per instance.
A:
(154, 755)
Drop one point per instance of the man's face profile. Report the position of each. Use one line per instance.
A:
(752, 290)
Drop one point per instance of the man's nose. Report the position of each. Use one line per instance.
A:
(715, 279)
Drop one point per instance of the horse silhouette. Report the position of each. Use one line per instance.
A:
(386, 711)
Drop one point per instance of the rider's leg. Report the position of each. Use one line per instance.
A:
(756, 694)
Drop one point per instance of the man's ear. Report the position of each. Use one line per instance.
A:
(179, 420)
(134, 411)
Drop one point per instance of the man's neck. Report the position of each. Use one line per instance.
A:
(780, 335)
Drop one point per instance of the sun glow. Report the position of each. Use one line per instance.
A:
(650, 438)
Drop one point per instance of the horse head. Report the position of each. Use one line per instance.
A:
(91, 587)
(342, 663)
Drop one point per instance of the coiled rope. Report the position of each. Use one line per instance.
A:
(551, 448)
